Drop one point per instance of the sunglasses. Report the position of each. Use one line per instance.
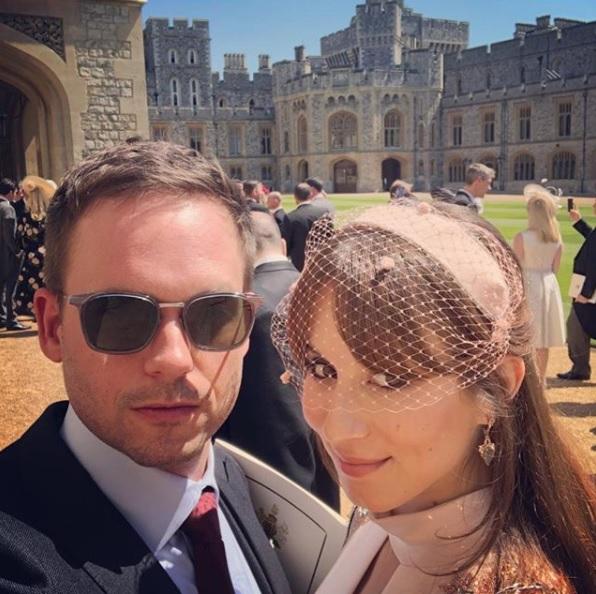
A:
(122, 323)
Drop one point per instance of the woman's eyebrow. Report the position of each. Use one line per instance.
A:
(311, 351)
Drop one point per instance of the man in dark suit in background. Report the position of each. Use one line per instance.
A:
(582, 313)
(299, 222)
(276, 209)
(120, 490)
(318, 196)
(267, 420)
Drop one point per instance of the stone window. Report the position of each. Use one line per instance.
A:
(433, 167)
(457, 130)
(302, 170)
(457, 170)
(236, 172)
(159, 132)
(433, 139)
(174, 90)
(302, 135)
(392, 129)
(266, 173)
(194, 92)
(195, 137)
(489, 80)
(525, 122)
(222, 102)
(234, 141)
(459, 90)
(488, 126)
(420, 167)
(251, 105)
(343, 131)
(565, 119)
(265, 141)
(522, 75)
(421, 136)
(192, 56)
(286, 141)
(173, 56)
(563, 165)
(524, 167)
(288, 172)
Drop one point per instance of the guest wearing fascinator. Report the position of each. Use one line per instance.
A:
(408, 337)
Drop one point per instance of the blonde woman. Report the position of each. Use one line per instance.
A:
(539, 249)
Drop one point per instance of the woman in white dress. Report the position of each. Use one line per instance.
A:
(539, 249)
(408, 338)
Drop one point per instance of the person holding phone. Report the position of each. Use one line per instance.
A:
(582, 316)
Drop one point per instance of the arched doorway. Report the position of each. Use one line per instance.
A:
(302, 171)
(390, 171)
(12, 112)
(345, 177)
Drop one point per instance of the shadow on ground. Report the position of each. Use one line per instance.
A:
(575, 409)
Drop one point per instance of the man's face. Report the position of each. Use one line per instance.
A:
(482, 186)
(159, 406)
(272, 202)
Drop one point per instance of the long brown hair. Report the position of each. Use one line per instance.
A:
(543, 502)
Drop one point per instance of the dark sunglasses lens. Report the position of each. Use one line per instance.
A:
(118, 323)
(218, 322)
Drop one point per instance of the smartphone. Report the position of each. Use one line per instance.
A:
(570, 204)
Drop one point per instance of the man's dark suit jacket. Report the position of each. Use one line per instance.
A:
(9, 248)
(267, 420)
(585, 263)
(59, 533)
(281, 217)
(298, 224)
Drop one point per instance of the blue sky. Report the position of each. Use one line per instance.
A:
(274, 27)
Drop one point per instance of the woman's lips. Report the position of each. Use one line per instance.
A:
(359, 468)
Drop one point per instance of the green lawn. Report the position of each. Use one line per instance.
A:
(509, 216)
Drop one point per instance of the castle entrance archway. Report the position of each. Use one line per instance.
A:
(345, 177)
(12, 113)
(390, 171)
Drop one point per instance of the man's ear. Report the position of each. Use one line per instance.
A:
(49, 323)
(512, 370)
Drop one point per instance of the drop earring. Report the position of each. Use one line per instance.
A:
(487, 449)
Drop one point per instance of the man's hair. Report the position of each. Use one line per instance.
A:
(267, 234)
(314, 182)
(302, 192)
(478, 171)
(275, 196)
(129, 171)
(7, 186)
(249, 186)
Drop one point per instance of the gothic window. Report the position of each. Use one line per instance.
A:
(433, 167)
(525, 122)
(302, 170)
(488, 80)
(457, 130)
(234, 141)
(457, 170)
(563, 165)
(194, 92)
(159, 132)
(433, 139)
(192, 56)
(392, 129)
(286, 141)
(565, 119)
(522, 75)
(343, 131)
(288, 172)
(302, 135)
(488, 124)
(524, 167)
(195, 137)
(251, 105)
(174, 88)
(265, 141)
(236, 172)
(222, 102)
(421, 136)
(459, 91)
(266, 173)
(173, 56)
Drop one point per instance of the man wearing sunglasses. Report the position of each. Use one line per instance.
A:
(149, 257)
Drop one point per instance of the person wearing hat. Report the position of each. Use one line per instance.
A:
(318, 196)
(581, 323)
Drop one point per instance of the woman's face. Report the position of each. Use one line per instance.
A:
(406, 460)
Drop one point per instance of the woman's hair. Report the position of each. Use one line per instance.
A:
(38, 194)
(542, 216)
(540, 492)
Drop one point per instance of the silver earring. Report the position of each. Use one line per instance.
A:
(487, 449)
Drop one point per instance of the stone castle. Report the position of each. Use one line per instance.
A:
(393, 95)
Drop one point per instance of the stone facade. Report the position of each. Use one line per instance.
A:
(76, 69)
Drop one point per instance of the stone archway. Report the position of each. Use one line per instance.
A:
(345, 177)
(390, 171)
(12, 143)
(302, 171)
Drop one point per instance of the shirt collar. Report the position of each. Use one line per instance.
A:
(153, 501)
(269, 259)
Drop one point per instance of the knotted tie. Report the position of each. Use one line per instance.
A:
(202, 528)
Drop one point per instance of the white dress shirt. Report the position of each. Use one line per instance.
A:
(156, 503)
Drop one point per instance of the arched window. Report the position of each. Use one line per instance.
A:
(488, 80)
(433, 139)
(251, 105)
(421, 136)
(302, 170)
(302, 135)
(192, 56)
(522, 75)
(194, 92)
(173, 56)
(174, 89)
(564, 165)
(523, 167)
(457, 170)
(343, 131)
(222, 102)
(392, 128)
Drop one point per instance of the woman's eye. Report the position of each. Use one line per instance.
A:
(321, 369)
(388, 380)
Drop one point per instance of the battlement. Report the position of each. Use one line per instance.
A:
(165, 25)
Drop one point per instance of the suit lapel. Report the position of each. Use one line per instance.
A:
(81, 521)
